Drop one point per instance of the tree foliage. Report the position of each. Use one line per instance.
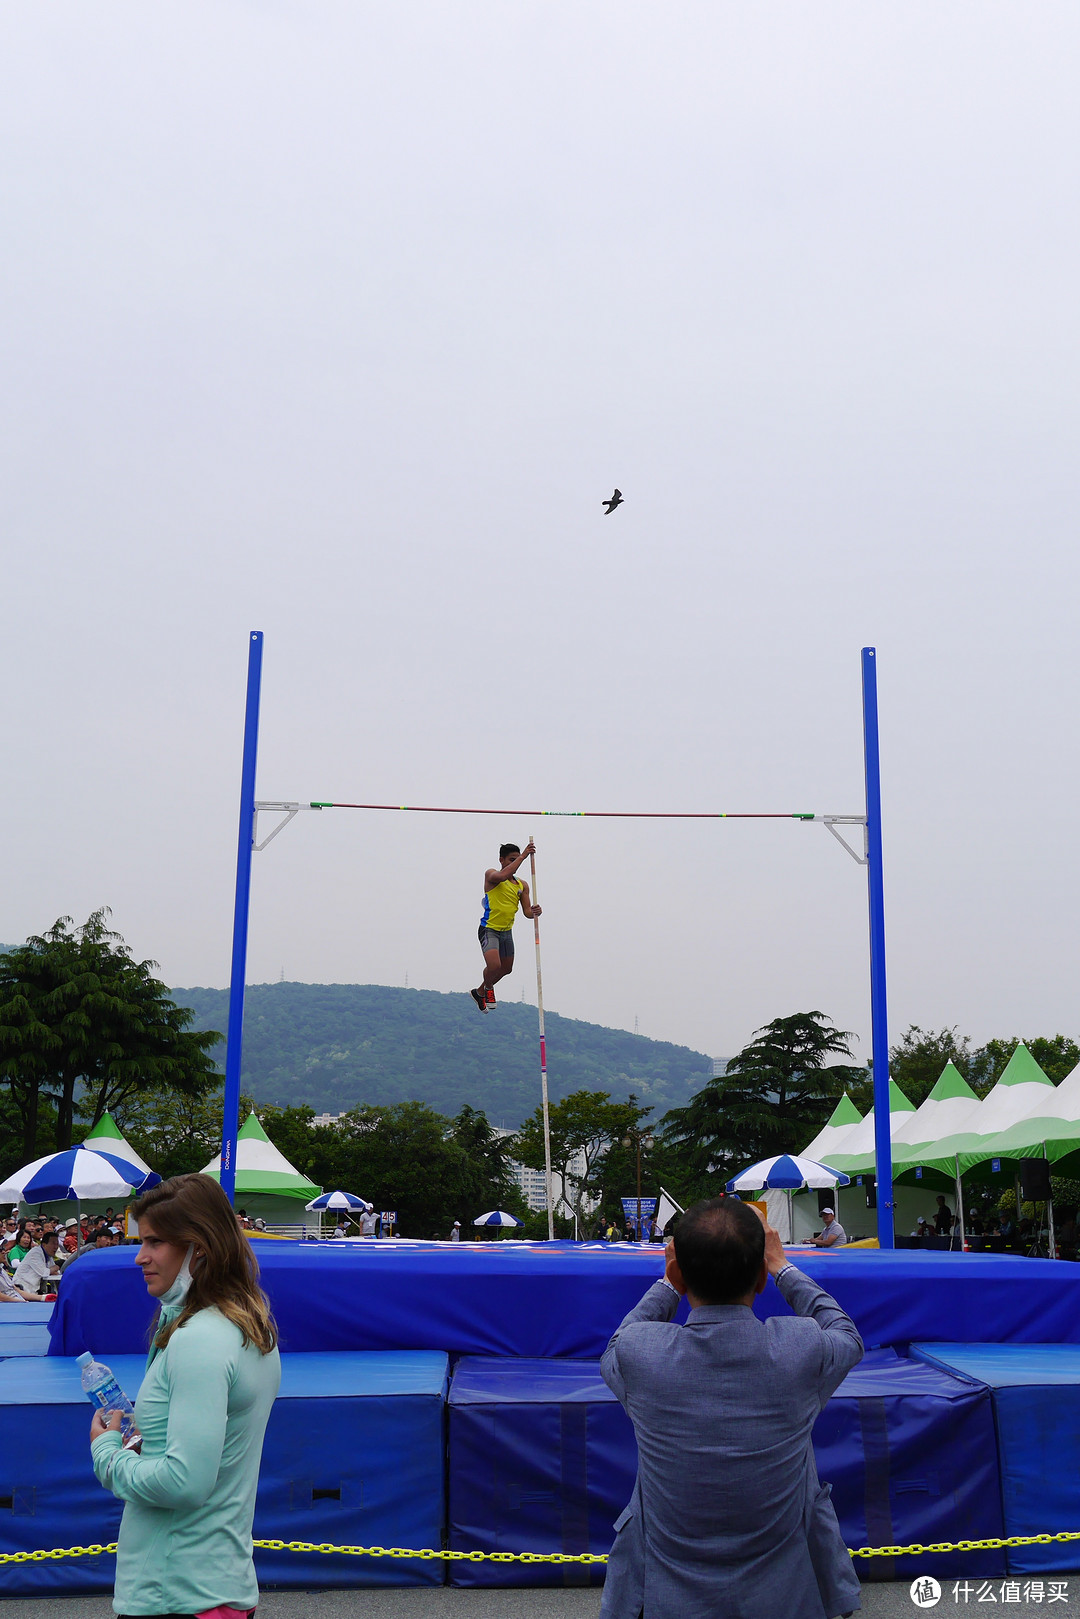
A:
(918, 1057)
(429, 1169)
(583, 1128)
(774, 1097)
(83, 1026)
(175, 1133)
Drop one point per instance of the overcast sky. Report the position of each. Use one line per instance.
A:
(339, 321)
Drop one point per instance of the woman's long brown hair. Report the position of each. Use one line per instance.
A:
(194, 1209)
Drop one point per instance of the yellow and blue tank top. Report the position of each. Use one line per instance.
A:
(501, 904)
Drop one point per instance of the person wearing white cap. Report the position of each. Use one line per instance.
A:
(832, 1233)
(455, 1235)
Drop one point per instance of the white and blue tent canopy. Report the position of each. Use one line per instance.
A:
(79, 1172)
(787, 1173)
(340, 1200)
(496, 1217)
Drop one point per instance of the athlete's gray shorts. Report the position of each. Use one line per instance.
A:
(500, 939)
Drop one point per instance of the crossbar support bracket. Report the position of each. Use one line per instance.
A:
(285, 809)
(831, 822)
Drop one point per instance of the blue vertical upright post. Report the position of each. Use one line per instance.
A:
(878, 1002)
(234, 1049)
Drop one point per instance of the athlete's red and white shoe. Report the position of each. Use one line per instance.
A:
(490, 999)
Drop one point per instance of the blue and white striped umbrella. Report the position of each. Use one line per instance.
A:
(79, 1172)
(787, 1173)
(496, 1217)
(339, 1200)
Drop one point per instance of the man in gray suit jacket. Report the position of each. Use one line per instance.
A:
(727, 1519)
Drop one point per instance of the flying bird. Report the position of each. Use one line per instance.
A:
(610, 505)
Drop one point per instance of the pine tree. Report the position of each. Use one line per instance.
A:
(774, 1097)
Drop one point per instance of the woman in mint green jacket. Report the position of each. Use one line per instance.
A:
(212, 1375)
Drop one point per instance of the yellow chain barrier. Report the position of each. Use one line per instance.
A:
(427, 1555)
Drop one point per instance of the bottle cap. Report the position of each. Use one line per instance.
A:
(85, 1359)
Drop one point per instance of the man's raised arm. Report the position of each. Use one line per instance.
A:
(841, 1345)
(659, 1304)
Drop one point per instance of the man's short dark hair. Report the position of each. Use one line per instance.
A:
(720, 1245)
(508, 848)
(50, 1236)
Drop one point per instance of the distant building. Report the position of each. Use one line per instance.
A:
(533, 1185)
(326, 1118)
(719, 1067)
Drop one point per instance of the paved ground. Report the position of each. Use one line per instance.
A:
(879, 1602)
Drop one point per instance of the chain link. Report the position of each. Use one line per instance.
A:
(427, 1555)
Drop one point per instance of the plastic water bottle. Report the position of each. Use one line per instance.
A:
(102, 1390)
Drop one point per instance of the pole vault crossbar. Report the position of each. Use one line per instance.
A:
(870, 857)
(292, 807)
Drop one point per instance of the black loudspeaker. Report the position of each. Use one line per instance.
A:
(826, 1200)
(870, 1188)
(1034, 1180)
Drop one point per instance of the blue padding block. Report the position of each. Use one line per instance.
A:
(45, 1473)
(353, 1455)
(565, 1299)
(911, 1455)
(542, 1458)
(23, 1340)
(26, 1315)
(1036, 1393)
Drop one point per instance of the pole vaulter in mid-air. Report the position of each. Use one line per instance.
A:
(503, 893)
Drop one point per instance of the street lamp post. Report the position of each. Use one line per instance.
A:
(639, 1139)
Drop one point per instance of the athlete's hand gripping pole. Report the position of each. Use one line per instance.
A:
(543, 1048)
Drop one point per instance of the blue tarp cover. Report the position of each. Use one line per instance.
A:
(353, 1455)
(542, 1458)
(911, 1456)
(1036, 1391)
(564, 1300)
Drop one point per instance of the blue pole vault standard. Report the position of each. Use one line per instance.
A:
(235, 1046)
(879, 1038)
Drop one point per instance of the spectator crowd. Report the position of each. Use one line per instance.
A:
(35, 1252)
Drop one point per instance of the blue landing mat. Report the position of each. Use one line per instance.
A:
(24, 1315)
(542, 1458)
(564, 1300)
(33, 1339)
(1036, 1393)
(911, 1455)
(353, 1455)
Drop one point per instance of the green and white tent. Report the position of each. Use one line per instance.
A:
(946, 1112)
(856, 1156)
(1022, 1090)
(107, 1135)
(831, 1137)
(1051, 1129)
(261, 1170)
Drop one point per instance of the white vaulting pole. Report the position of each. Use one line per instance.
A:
(543, 1055)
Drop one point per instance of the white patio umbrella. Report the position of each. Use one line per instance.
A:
(497, 1217)
(340, 1200)
(77, 1172)
(787, 1172)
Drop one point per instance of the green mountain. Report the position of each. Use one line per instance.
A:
(335, 1046)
